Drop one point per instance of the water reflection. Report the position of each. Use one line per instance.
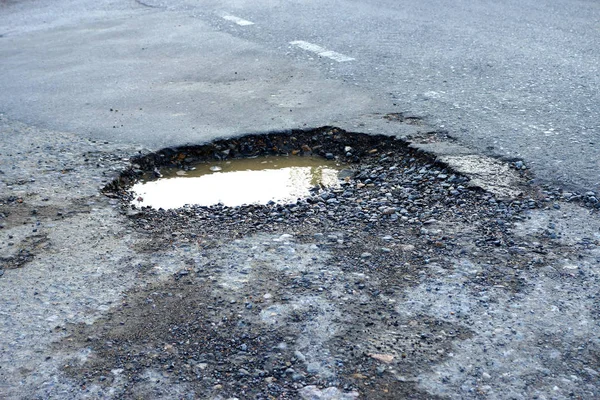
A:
(237, 182)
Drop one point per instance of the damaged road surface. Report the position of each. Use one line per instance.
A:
(412, 279)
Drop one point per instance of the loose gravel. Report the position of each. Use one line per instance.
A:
(406, 282)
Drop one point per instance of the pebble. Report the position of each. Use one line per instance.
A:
(297, 377)
(331, 393)
(299, 355)
(365, 255)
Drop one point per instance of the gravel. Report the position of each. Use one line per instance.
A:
(406, 282)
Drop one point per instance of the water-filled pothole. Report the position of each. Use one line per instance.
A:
(259, 180)
(315, 158)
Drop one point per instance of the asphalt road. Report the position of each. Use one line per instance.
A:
(510, 78)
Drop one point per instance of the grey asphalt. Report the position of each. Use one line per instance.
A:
(509, 78)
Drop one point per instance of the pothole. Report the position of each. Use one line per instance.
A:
(281, 168)
(258, 180)
(270, 299)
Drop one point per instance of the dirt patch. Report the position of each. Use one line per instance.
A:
(405, 118)
(25, 252)
(257, 331)
(17, 211)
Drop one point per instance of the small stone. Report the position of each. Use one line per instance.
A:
(345, 173)
(329, 156)
(365, 255)
(331, 393)
(313, 367)
(297, 377)
(300, 356)
(386, 358)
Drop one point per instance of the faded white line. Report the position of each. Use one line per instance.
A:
(237, 20)
(321, 51)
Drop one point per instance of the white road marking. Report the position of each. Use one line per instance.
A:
(321, 51)
(237, 20)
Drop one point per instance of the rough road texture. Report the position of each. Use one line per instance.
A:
(405, 283)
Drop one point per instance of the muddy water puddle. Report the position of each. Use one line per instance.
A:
(237, 182)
